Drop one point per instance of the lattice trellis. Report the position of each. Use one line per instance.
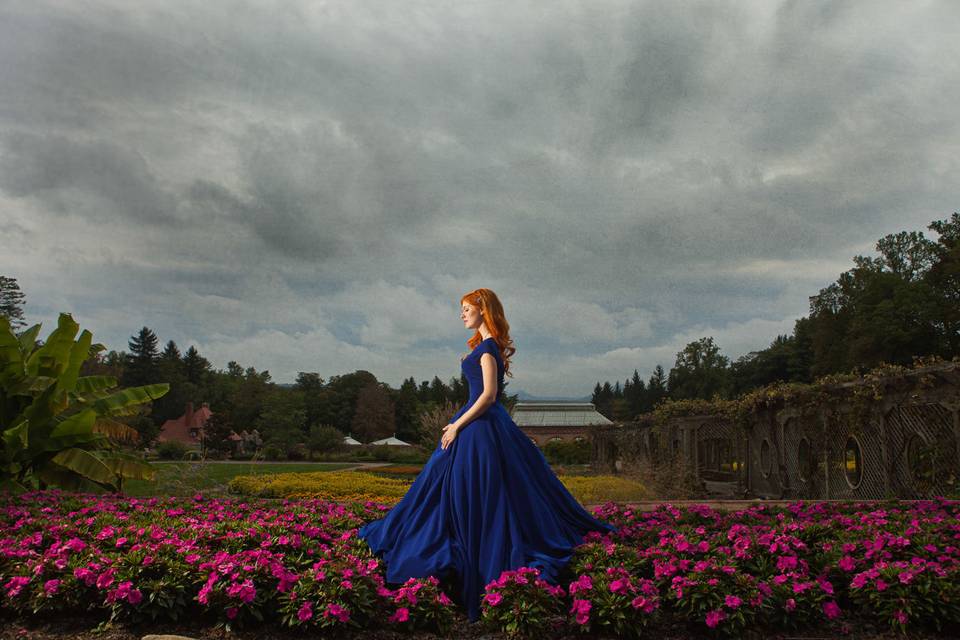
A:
(803, 449)
(865, 435)
(922, 449)
(763, 459)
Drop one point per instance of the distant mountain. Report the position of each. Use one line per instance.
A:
(523, 396)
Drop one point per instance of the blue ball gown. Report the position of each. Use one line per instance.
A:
(487, 503)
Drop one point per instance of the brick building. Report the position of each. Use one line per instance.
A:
(545, 421)
(188, 428)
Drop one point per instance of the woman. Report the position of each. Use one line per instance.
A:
(486, 500)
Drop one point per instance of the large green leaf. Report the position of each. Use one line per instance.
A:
(128, 466)
(91, 384)
(116, 430)
(30, 385)
(79, 351)
(74, 430)
(11, 360)
(116, 402)
(55, 475)
(53, 357)
(28, 340)
(86, 464)
(15, 439)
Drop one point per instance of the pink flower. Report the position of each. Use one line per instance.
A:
(493, 599)
(831, 610)
(901, 616)
(105, 579)
(790, 605)
(15, 585)
(619, 585)
(305, 612)
(581, 609)
(231, 613)
(881, 585)
(50, 587)
(583, 583)
(335, 610)
(715, 617)
(847, 563)
(401, 615)
(732, 601)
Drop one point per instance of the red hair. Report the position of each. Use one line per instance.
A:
(493, 317)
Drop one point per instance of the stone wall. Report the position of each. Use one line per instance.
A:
(906, 444)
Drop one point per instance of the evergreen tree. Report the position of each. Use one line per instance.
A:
(656, 388)
(407, 407)
(142, 359)
(170, 370)
(12, 300)
(195, 367)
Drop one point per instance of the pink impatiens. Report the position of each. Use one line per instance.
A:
(300, 562)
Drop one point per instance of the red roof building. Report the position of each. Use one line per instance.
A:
(188, 428)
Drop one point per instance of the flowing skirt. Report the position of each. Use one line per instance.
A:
(487, 503)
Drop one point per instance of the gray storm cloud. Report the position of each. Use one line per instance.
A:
(306, 186)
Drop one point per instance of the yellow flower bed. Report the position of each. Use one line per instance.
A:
(597, 489)
(342, 486)
(360, 486)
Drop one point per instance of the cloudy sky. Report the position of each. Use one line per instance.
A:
(311, 186)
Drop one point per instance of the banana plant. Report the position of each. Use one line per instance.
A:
(60, 429)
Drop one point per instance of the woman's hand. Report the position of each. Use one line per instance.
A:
(449, 433)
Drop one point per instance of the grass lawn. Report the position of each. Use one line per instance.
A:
(186, 478)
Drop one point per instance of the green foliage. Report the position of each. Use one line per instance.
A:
(568, 452)
(172, 450)
(59, 428)
(324, 438)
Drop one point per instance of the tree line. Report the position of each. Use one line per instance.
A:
(901, 304)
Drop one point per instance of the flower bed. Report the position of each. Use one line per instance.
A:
(381, 485)
(298, 565)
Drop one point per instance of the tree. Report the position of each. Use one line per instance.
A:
(217, 432)
(699, 372)
(407, 407)
(170, 370)
(61, 428)
(323, 438)
(142, 360)
(196, 368)
(283, 422)
(11, 302)
(656, 388)
(374, 416)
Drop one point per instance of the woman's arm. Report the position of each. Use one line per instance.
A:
(487, 397)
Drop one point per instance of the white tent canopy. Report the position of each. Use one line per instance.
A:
(392, 441)
(349, 440)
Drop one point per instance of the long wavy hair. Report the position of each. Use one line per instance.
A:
(493, 317)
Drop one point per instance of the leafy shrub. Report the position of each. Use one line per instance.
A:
(909, 593)
(521, 604)
(612, 600)
(568, 452)
(421, 605)
(172, 450)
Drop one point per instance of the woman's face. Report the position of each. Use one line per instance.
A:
(470, 315)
